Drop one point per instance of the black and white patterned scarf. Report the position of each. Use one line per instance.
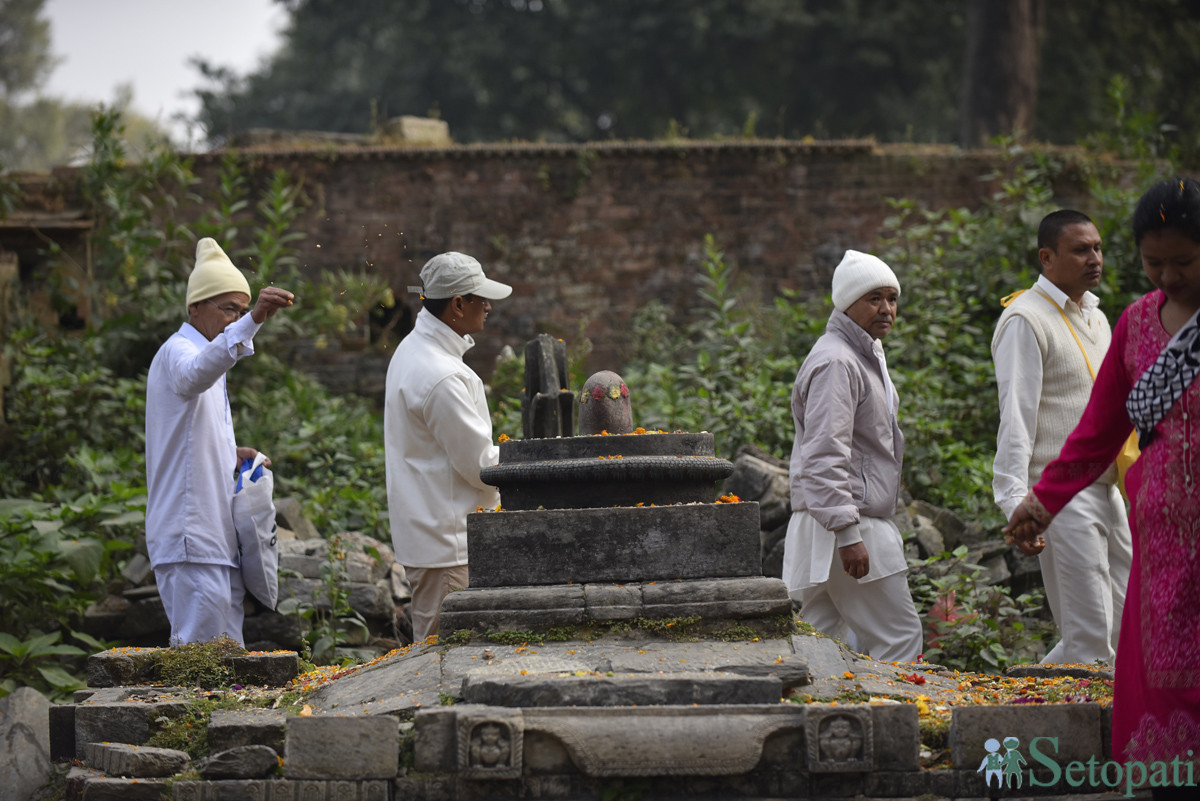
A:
(1165, 381)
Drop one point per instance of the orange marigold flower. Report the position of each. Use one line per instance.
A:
(503, 438)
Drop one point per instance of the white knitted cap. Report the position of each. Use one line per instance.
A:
(214, 274)
(856, 275)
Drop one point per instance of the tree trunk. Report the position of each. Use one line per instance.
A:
(1000, 75)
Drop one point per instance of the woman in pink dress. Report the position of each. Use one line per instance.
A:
(1148, 382)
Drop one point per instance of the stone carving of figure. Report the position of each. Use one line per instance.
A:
(489, 747)
(604, 405)
(840, 739)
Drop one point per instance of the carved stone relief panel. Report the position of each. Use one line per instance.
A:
(839, 739)
(490, 745)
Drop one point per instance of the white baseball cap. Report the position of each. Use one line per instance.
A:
(452, 273)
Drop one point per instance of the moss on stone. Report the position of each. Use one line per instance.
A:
(199, 664)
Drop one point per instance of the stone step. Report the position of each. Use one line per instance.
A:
(133, 761)
(124, 667)
(84, 784)
(124, 715)
(234, 728)
(747, 601)
(624, 689)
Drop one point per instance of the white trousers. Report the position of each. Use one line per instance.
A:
(202, 601)
(430, 585)
(880, 613)
(1085, 568)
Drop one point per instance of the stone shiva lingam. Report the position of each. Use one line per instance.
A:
(613, 526)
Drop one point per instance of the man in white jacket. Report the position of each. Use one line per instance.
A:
(437, 434)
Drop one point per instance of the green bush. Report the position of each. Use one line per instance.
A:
(971, 625)
(729, 371)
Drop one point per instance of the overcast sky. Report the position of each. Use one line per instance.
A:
(148, 43)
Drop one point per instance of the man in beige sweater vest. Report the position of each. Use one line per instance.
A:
(1047, 346)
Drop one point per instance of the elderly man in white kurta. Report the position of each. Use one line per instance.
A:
(1048, 344)
(437, 434)
(843, 556)
(191, 453)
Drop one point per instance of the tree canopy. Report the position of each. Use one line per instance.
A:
(578, 70)
(38, 132)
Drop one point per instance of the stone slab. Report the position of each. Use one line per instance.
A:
(282, 790)
(290, 514)
(120, 667)
(233, 728)
(399, 685)
(560, 546)
(120, 759)
(1059, 671)
(24, 743)
(243, 762)
(762, 658)
(1075, 728)
(538, 608)
(123, 715)
(620, 689)
(103, 788)
(266, 669)
(897, 733)
(342, 748)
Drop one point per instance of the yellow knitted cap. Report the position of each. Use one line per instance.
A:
(214, 274)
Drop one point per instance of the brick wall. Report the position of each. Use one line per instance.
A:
(586, 234)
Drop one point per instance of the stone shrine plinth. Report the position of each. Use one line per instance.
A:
(605, 528)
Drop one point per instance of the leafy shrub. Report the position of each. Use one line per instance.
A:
(54, 560)
(328, 620)
(971, 625)
(730, 371)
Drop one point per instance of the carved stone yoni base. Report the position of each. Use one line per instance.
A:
(757, 603)
(649, 543)
(607, 471)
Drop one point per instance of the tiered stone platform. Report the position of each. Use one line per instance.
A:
(643, 717)
(618, 641)
(600, 529)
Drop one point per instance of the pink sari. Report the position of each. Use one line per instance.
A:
(1156, 705)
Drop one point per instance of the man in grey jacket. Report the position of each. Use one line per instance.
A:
(843, 556)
